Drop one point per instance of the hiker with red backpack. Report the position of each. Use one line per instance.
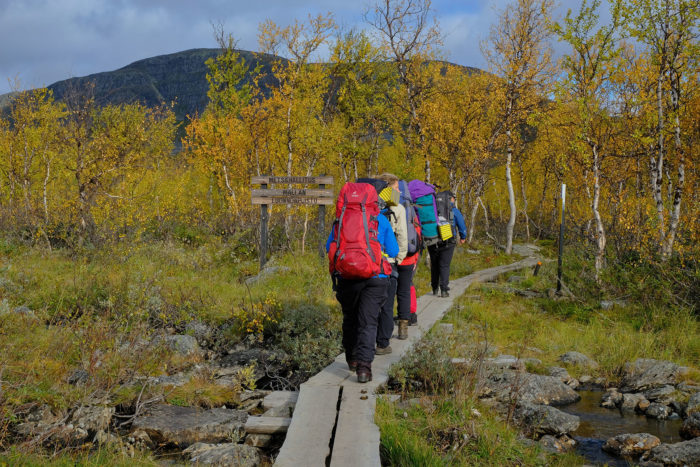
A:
(359, 243)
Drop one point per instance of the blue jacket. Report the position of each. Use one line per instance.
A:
(459, 222)
(385, 236)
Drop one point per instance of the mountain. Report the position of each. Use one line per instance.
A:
(178, 78)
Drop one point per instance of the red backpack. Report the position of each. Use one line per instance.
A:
(356, 252)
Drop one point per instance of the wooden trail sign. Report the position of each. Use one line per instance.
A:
(265, 196)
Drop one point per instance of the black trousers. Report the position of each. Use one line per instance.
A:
(385, 323)
(403, 291)
(440, 259)
(361, 301)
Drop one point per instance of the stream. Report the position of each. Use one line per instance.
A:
(598, 424)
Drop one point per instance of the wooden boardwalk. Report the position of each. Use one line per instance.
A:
(333, 421)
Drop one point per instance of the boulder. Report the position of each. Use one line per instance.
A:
(646, 373)
(204, 334)
(578, 359)
(660, 393)
(633, 402)
(507, 385)
(658, 411)
(183, 426)
(540, 420)
(563, 375)
(259, 440)
(611, 399)
(683, 453)
(92, 418)
(557, 445)
(631, 445)
(691, 426)
(241, 455)
(182, 344)
(78, 377)
(693, 404)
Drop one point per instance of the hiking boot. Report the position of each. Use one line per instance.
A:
(352, 365)
(364, 372)
(403, 329)
(413, 321)
(383, 350)
(436, 291)
(444, 294)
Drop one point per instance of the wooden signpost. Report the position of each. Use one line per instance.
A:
(265, 196)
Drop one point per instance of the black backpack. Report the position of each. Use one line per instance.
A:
(444, 209)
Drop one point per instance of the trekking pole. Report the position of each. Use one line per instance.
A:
(561, 238)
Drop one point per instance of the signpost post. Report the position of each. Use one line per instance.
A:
(301, 196)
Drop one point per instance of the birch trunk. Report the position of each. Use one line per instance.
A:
(511, 197)
(657, 166)
(524, 194)
(600, 229)
(667, 247)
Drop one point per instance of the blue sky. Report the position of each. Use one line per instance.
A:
(44, 41)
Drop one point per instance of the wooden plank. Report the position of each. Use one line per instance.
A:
(292, 192)
(356, 436)
(280, 399)
(292, 180)
(267, 425)
(309, 435)
(293, 200)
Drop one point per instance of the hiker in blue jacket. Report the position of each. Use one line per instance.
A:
(441, 253)
(361, 300)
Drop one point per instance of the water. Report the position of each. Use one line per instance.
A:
(598, 424)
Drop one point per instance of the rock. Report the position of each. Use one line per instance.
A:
(645, 373)
(540, 420)
(691, 426)
(563, 375)
(281, 411)
(183, 426)
(104, 438)
(683, 453)
(585, 379)
(659, 393)
(268, 363)
(24, 311)
(631, 445)
(608, 304)
(505, 362)
(632, 402)
(674, 416)
(259, 440)
(266, 273)
(514, 279)
(611, 399)
(693, 404)
(183, 344)
(688, 388)
(643, 405)
(176, 380)
(140, 439)
(78, 377)
(204, 334)
(240, 455)
(658, 411)
(525, 387)
(92, 418)
(578, 359)
(532, 361)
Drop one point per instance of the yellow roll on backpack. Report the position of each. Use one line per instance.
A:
(445, 231)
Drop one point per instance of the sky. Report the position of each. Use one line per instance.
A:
(44, 41)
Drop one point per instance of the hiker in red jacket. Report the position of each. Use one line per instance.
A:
(360, 297)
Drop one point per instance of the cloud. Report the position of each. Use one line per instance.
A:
(49, 40)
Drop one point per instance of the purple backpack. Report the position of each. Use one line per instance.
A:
(423, 195)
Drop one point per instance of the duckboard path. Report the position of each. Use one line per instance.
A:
(333, 421)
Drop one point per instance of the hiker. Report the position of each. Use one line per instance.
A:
(397, 219)
(442, 251)
(357, 245)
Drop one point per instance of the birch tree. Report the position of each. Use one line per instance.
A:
(518, 53)
(587, 89)
(669, 29)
